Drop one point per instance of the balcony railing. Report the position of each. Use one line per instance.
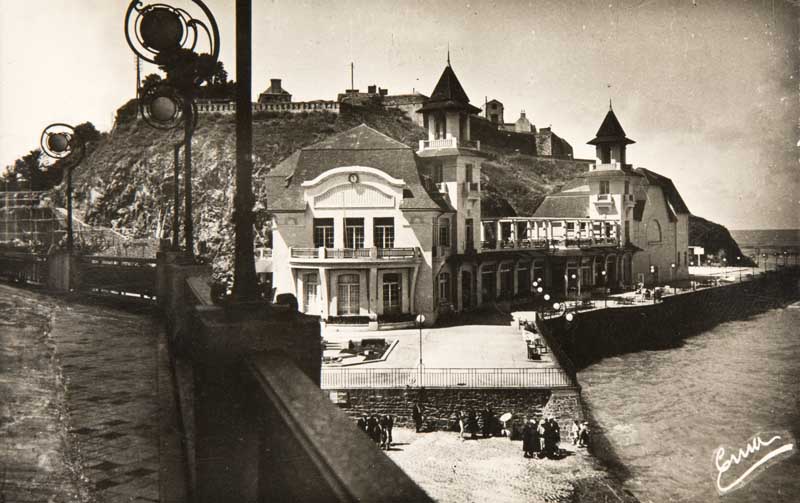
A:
(441, 187)
(604, 200)
(472, 187)
(354, 253)
(628, 199)
(355, 378)
(451, 142)
(523, 244)
(576, 242)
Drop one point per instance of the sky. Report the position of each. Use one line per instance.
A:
(707, 89)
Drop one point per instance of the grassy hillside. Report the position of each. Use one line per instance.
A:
(126, 183)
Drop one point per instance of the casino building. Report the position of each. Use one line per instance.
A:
(368, 231)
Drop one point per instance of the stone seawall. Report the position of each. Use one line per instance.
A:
(440, 405)
(593, 335)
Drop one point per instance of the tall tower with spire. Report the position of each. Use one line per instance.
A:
(611, 180)
(452, 161)
(610, 143)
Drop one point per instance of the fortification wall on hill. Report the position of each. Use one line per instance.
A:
(229, 108)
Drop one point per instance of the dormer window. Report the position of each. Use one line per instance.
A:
(605, 187)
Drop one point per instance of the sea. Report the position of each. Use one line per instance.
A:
(663, 414)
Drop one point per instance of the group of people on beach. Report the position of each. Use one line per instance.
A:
(540, 439)
(468, 423)
(378, 428)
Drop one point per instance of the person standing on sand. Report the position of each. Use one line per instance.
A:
(574, 431)
(416, 415)
(460, 420)
(541, 429)
(527, 438)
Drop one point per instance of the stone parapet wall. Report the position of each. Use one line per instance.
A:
(440, 405)
(293, 107)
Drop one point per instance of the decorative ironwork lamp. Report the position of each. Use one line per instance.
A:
(60, 141)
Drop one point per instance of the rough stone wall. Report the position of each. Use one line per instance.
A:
(440, 405)
(488, 134)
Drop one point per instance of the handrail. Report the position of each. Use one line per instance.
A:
(303, 426)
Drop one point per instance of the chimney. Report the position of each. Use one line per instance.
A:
(522, 114)
(275, 84)
(383, 92)
(371, 89)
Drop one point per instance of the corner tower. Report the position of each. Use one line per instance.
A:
(451, 162)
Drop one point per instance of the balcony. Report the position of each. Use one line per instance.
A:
(448, 143)
(605, 200)
(317, 255)
(472, 189)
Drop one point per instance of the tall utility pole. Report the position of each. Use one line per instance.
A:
(352, 79)
(188, 131)
(245, 286)
(176, 194)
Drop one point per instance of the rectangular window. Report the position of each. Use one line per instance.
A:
(354, 233)
(392, 303)
(311, 287)
(506, 280)
(469, 233)
(383, 232)
(605, 187)
(521, 231)
(437, 173)
(468, 174)
(627, 187)
(444, 286)
(444, 232)
(348, 291)
(323, 232)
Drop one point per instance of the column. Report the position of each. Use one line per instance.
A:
(374, 307)
(497, 280)
(325, 299)
(412, 295)
(514, 277)
(498, 235)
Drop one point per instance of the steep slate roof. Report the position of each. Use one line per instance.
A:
(359, 146)
(448, 94)
(610, 131)
(564, 205)
(670, 191)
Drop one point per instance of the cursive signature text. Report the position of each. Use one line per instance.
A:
(753, 446)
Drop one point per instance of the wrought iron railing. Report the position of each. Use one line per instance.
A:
(347, 378)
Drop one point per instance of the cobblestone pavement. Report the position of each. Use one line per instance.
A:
(91, 430)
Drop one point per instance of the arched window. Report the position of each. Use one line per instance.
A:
(654, 231)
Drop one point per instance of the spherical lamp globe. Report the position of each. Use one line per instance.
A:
(163, 109)
(556, 306)
(58, 142)
(161, 29)
(570, 316)
(547, 296)
(540, 289)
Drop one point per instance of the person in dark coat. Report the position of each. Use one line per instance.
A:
(390, 422)
(472, 424)
(527, 438)
(384, 425)
(374, 429)
(416, 415)
(488, 422)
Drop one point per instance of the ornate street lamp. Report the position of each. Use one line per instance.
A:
(61, 141)
(603, 273)
(420, 320)
(158, 33)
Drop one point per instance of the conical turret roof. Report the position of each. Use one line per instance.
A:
(448, 94)
(611, 131)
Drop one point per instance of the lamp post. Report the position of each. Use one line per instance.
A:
(61, 141)
(574, 277)
(420, 320)
(739, 263)
(766, 260)
(603, 273)
(725, 268)
(167, 36)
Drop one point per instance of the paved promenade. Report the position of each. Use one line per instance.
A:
(85, 419)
